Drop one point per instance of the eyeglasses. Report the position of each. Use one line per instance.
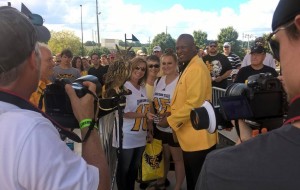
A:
(154, 65)
(140, 68)
(212, 46)
(226, 46)
(273, 44)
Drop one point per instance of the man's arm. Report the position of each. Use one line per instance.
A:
(224, 76)
(197, 88)
(92, 151)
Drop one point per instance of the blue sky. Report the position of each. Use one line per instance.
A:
(206, 5)
(147, 18)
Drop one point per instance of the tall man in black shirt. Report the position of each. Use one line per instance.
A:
(218, 65)
(97, 70)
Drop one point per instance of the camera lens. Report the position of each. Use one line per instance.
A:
(236, 89)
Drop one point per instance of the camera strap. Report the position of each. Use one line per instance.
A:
(294, 111)
(14, 99)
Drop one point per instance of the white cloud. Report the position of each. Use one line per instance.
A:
(117, 18)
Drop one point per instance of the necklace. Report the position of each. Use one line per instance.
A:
(170, 80)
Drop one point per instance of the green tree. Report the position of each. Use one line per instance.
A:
(144, 49)
(90, 43)
(200, 38)
(164, 41)
(230, 35)
(64, 40)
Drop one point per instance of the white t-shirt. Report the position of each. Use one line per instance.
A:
(162, 97)
(269, 60)
(135, 130)
(34, 157)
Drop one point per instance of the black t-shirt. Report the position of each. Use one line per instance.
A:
(99, 73)
(247, 71)
(217, 65)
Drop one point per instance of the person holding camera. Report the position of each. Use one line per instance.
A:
(271, 160)
(33, 156)
(258, 54)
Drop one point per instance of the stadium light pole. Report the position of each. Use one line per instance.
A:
(97, 14)
(81, 32)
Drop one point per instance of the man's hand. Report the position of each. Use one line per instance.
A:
(83, 108)
(218, 79)
(163, 121)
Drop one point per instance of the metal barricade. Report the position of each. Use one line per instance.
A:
(216, 94)
(106, 126)
(226, 138)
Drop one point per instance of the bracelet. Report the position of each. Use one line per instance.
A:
(85, 123)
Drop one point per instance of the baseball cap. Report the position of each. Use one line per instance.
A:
(257, 49)
(259, 41)
(17, 36)
(226, 44)
(156, 48)
(213, 42)
(285, 11)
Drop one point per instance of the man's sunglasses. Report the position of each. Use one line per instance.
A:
(273, 44)
(140, 68)
(154, 65)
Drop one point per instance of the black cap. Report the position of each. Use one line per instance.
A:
(213, 42)
(17, 36)
(257, 49)
(285, 11)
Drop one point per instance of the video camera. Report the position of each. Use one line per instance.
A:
(261, 98)
(57, 102)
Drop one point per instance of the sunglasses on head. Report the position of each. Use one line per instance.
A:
(140, 68)
(154, 65)
(273, 44)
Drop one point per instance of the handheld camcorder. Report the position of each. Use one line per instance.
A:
(57, 102)
(261, 98)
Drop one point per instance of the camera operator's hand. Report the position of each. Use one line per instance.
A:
(83, 108)
(245, 131)
(92, 151)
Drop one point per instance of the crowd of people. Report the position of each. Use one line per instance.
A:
(165, 86)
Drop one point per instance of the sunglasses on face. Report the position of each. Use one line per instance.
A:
(140, 68)
(273, 44)
(154, 65)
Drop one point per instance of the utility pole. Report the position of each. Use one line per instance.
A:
(149, 52)
(97, 14)
(81, 33)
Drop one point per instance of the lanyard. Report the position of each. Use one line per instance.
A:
(11, 98)
(294, 111)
